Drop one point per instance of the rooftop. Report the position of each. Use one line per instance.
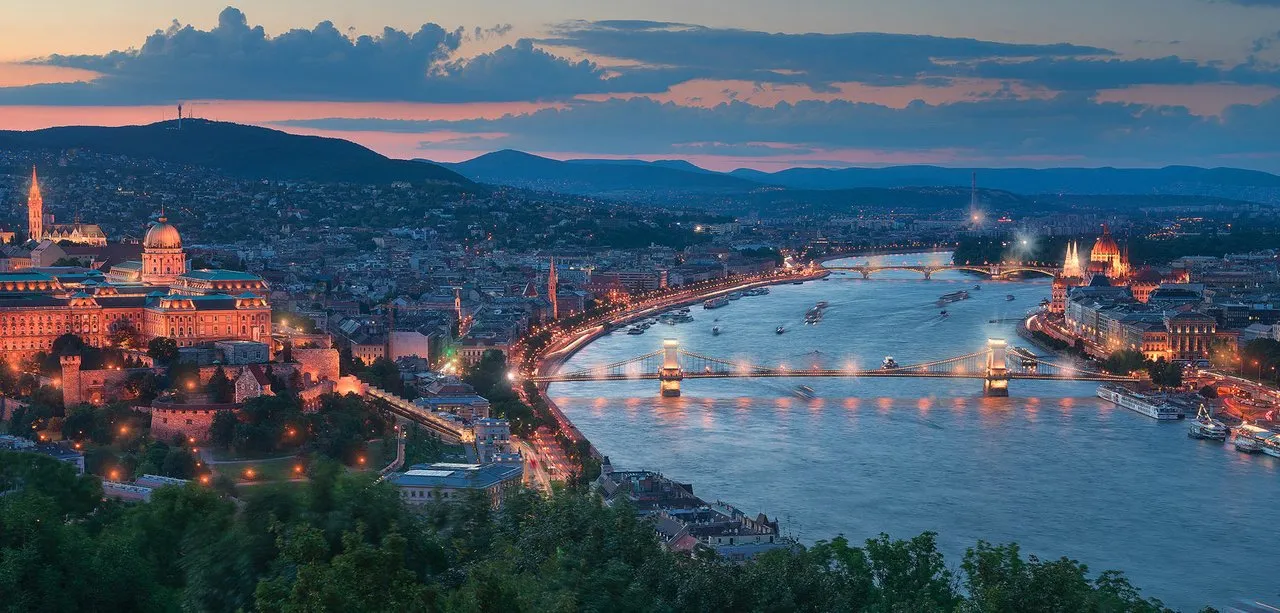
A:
(457, 476)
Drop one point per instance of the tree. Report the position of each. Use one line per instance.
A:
(222, 430)
(219, 387)
(1124, 361)
(123, 333)
(163, 350)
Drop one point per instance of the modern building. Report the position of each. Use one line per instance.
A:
(446, 482)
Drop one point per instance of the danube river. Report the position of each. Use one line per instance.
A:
(1052, 467)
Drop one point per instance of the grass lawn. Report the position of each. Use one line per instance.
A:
(279, 469)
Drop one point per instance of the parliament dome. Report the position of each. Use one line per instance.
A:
(162, 235)
(1106, 248)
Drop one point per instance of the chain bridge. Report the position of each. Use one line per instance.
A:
(996, 365)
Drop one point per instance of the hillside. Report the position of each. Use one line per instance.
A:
(1172, 180)
(597, 177)
(238, 150)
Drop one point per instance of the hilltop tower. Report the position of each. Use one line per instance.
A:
(552, 282)
(35, 209)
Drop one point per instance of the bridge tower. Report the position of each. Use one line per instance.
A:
(997, 375)
(671, 373)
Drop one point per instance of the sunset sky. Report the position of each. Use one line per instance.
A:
(725, 84)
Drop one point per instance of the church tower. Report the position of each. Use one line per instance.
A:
(552, 282)
(35, 209)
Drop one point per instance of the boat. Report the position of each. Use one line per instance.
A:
(635, 330)
(779, 330)
(1008, 297)
(1245, 443)
(944, 313)
(977, 287)
(813, 315)
(797, 282)
(715, 330)
(1044, 302)
(735, 296)
(954, 296)
(889, 363)
(804, 391)
(1268, 442)
(1204, 426)
(1140, 403)
(822, 304)
(715, 303)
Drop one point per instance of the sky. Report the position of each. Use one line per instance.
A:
(725, 84)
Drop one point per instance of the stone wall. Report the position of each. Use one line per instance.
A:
(187, 421)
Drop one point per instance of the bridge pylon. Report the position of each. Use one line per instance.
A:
(996, 382)
(671, 374)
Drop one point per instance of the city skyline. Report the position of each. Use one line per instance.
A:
(833, 84)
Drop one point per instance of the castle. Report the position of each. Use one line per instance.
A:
(154, 297)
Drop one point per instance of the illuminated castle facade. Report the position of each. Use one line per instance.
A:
(154, 297)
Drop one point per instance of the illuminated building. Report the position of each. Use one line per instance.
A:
(156, 297)
(40, 226)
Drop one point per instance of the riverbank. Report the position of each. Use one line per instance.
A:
(550, 358)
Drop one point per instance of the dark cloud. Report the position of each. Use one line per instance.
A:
(237, 61)
(1263, 3)
(819, 60)
(814, 59)
(1069, 124)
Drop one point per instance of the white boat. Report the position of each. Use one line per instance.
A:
(1204, 426)
(804, 391)
(715, 303)
(1150, 406)
(779, 330)
(715, 330)
(1246, 444)
(889, 363)
(1268, 442)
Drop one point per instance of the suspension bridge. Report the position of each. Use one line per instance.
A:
(996, 365)
(995, 271)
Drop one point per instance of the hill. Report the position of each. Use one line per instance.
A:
(1172, 180)
(598, 177)
(242, 151)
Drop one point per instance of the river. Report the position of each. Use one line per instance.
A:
(1051, 467)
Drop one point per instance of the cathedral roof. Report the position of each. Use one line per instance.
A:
(162, 235)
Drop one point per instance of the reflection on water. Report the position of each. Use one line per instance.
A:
(1051, 467)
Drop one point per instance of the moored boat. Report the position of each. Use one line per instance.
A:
(1150, 406)
(715, 303)
(1204, 426)
(635, 330)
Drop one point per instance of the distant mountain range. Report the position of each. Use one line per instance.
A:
(597, 177)
(665, 177)
(248, 152)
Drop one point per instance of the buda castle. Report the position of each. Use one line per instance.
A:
(156, 296)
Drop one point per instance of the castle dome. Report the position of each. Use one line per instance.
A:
(1105, 248)
(162, 235)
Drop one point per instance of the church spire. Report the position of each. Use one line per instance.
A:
(35, 209)
(552, 282)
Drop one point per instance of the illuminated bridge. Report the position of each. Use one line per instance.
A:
(995, 365)
(995, 271)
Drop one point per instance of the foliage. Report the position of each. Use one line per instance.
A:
(342, 542)
(1165, 374)
(219, 387)
(163, 350)
(1124, 361)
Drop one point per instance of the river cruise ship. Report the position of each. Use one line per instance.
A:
(716, 303)
(1267, 441)
(1150, 406)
